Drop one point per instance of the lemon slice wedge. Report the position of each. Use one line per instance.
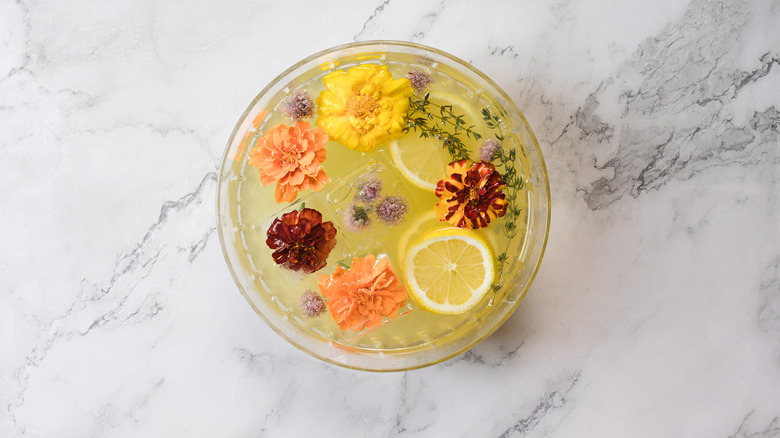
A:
(422, 161)
(415, 230)
(449, 271)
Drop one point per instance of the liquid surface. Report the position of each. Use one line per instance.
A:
(255, 209)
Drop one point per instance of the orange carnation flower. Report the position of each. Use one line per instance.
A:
(359, 297)
(291, 156)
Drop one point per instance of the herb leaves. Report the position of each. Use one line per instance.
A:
(432, 120)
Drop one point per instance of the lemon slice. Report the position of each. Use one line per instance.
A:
(449, 271)
(422, 161)
(413, 232)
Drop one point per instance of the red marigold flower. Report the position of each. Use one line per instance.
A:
(301, 241)
(471, 197)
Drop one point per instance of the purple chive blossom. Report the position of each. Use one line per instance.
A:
(419, 79)
(311, 303)
(298, 105)
(489, 149)
(356, 217)
(368, 190)
(391, 210)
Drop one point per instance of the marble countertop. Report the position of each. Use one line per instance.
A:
(656, 311)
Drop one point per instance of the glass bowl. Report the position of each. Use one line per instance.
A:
(238, 232)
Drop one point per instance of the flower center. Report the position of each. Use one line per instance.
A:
(290, 157)
(364, 298)
(300, 251)
(475, 193)
(360, 214)
(361, 107)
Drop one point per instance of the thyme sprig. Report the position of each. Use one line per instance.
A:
(432, 120)
(505, 160)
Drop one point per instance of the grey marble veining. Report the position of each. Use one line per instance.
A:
(656, 311)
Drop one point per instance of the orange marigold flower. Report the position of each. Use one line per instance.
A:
(471, 197)
(291, 156)
(360, 296)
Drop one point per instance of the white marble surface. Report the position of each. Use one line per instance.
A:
(656, 311)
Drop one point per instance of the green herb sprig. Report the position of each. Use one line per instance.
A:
(505, 160)
(432, 120)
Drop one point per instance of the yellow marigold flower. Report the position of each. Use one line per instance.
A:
(363, 107)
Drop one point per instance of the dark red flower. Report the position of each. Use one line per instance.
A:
(301, 241)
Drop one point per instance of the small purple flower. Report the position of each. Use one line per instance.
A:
(419, 79)
(391, 210)
(298, 105)
(356, 217)
(311, 303)
(367, 190)
(489, 149)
